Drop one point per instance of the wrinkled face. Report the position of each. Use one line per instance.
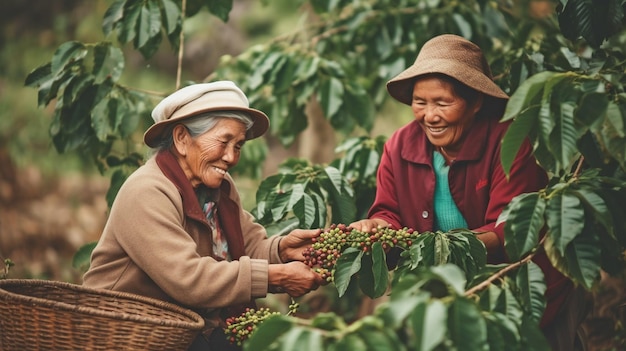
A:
(442, 114)
(206, 158)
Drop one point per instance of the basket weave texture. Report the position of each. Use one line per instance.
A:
(51, 315)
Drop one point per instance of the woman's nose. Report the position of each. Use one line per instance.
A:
(231, 154)
(430, 113)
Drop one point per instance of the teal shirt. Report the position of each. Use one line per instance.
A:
(447, 214)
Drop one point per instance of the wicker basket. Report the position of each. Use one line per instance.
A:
(51, 315)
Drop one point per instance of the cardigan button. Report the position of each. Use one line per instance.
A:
(425, 214)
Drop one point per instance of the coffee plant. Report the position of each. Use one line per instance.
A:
(565, 73)
(239, 328)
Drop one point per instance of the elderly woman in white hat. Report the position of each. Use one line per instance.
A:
(442, 170)
(177, 230)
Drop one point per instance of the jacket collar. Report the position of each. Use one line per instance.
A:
(418, 148)
(228, 213)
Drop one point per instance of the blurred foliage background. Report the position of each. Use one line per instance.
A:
(51, 203)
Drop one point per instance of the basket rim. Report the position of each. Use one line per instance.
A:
(196, 322)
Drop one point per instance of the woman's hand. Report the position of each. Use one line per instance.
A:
(367, 225)
(293, 278)
(293, 244)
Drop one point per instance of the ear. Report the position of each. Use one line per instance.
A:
(181, 138)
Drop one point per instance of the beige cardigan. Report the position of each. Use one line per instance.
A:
(156, 243)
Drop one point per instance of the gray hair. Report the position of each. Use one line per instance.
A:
(202, 123)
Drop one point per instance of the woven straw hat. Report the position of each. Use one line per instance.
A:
(199, 98)
(453, 56)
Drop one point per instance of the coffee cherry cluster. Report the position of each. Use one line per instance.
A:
(327, 247)
(239, 328)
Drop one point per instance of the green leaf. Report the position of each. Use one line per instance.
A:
(149, 24)
(429, 324)
(117, 179)
(299, 338)
(502, 332)
(268, 332)
(527, 93)
(330, 96)
(468, 330)
(532, 287)
(400, 307)
(341, 201)
(564, 135)
(113, 14)
(66, 54)
(348, 264)
(379, 269)
(171, 13)
(126, 29)
(441, 249)
(220, 8)
(305, 210)
(515, 136)
(583, 257)
(452, 276)
(39, 75)
(565, 219)
(597, 205)
(351, 341)
(591, 108)
(108, 63)
(524, 217)
(82, 257)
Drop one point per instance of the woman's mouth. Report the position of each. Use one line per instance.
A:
(219, 170)
(436, 130)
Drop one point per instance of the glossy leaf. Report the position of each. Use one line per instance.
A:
(351, 341)
(526, 94)
(330, 96)
(82, 257)
(68, 53)
(126, 27)
(468, 329)
(532, 287)
(171, 16)
(305, 209)
(502, 333)
(441, 249)
(596, 204)
(267, 332)
(220, 8)
(516, 134)
(113, 14)
(373, 274)
(565, 219)
(524, 217)
(108, 63)
(348, 264)
(149, 24)
(305, 339)
(429, 324)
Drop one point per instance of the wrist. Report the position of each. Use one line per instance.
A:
(282, 253)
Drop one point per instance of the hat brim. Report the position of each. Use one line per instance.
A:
(401, 86)
(153, 136)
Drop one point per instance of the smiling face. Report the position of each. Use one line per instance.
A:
(444, 116)
(206, 158)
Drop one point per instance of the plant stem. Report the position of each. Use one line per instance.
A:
(181, 45)
(504, 271)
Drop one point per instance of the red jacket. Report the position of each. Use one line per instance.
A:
(406, 185)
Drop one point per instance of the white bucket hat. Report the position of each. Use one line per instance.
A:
(199, 98)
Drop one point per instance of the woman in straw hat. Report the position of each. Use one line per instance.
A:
(442, 170)
(177, 230)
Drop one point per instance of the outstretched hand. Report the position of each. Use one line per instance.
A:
(293, 278)
(368, 225)
(293, 244)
